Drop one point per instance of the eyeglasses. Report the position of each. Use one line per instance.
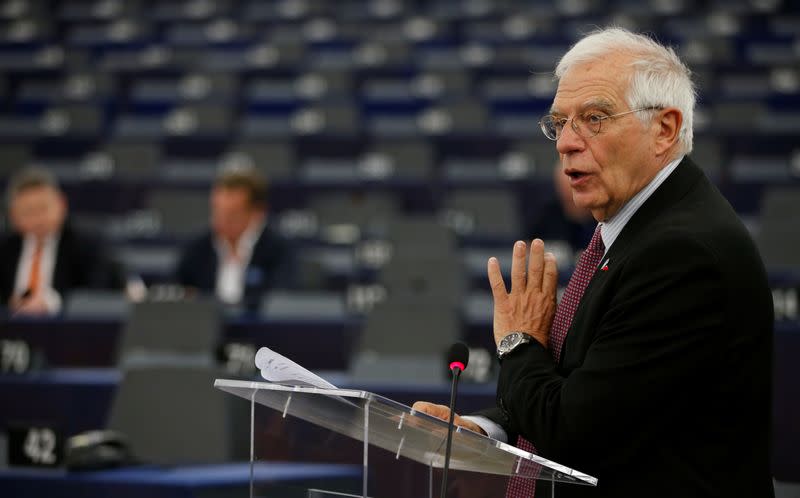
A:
(586, 125)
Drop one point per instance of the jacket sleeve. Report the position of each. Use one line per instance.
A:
(662, 328)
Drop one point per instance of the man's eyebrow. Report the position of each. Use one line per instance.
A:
(599, 104)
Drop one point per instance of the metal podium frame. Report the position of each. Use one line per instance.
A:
(382, 422)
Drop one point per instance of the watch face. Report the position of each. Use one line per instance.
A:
(508, 342)
(511, 341)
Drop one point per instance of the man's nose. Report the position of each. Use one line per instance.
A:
(569, 140)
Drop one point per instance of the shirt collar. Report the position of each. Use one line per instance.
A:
(50, 242)
(246, 243)
(612, 227)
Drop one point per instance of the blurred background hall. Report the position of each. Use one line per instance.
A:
(356, 162)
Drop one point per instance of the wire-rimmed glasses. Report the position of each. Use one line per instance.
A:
(586, 125)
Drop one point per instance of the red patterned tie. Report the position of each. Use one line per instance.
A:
(587, 264)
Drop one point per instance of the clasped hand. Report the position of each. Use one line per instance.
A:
(34, 304)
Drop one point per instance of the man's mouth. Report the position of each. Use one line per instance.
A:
(576, 175)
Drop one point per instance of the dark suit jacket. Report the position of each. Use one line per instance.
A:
(270, 266)
(664, 384)
(82, 261)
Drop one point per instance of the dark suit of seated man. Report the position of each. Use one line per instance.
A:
(46, 257)
(240, 257)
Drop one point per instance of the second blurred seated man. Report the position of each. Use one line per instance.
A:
(559, 218)
(46, 256)
(240, 257)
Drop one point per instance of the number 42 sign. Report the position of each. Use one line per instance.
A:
(34, 446)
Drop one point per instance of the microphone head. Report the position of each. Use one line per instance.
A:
(458, 356)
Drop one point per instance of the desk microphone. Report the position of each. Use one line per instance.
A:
(457, 360)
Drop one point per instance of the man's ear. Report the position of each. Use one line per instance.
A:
(668, 124)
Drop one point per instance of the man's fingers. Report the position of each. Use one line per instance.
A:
(499, 292)
(519, 275)
(443, 412)
(536, 264)
(550, 276)
(438, 411)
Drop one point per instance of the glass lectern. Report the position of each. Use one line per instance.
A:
(397, 428)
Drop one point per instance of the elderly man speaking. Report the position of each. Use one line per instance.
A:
(653, 373)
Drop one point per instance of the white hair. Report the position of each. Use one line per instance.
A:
(659, 78)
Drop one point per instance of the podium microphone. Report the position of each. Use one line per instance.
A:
(457, 359)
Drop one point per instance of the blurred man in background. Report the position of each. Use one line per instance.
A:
(240, 257)
(46, 257)
(559, 218)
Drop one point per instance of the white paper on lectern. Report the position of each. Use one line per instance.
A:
(281, 370)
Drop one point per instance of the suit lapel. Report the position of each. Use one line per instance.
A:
(674, 187)
(9, 261)
(61, 280)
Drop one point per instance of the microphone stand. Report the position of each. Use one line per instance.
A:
(456, 374)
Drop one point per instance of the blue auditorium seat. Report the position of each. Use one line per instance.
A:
(90, 87)
(187, 10)
(778, 237)
(710, 155)
(382, 53)
(783, 122)
(394, 91)
(760, 169)
(218, 32)
(399, 159)
(469, 171)
(258, 10)
(483, 212)
(13, 157)
(112, 34)
(360, 208)
(273, 125)
(283, 306)
(182, 211)
(72, 10)
(772, 52)
(744, 84)
(18, 128)
(195, 87)
(139, 127)
(99, 304)
(138, 60)
(279, 91)
(336, 119)
(155, 263)
(131, 161)
(28, 31)
(447, 56)
(275, 159)
(196, 121)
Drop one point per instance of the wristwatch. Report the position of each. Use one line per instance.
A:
(511, 342)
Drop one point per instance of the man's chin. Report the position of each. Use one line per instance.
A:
(582, 200)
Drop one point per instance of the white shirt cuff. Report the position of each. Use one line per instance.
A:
(492, 429)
